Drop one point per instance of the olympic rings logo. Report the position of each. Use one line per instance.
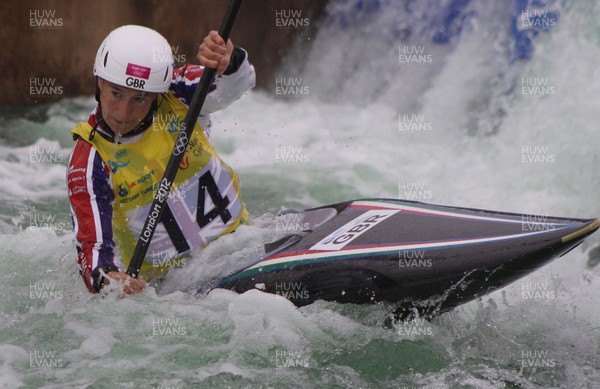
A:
(181, 144)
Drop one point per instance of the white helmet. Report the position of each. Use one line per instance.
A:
(135, 57)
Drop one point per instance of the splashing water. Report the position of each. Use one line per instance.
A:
(497, 112)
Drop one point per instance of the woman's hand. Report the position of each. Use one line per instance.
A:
(130, 285)
(214, 53)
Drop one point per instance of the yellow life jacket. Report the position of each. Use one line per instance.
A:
(204, 202)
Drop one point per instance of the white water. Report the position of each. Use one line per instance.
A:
(344, 137)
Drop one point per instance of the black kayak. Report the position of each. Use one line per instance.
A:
(422, 257)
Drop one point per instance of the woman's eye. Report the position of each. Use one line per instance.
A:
(116, 94)
(139, 100)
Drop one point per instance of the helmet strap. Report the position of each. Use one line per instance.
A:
(147, 120)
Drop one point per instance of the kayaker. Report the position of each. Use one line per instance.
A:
(121, 152)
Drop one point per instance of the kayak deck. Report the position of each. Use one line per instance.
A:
(418, 256)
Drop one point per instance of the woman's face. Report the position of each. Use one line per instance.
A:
(123, 108)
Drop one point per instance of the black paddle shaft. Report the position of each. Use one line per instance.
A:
(160, 199)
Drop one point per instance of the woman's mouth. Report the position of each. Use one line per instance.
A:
(119, 125)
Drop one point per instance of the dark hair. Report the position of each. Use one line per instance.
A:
(97, 91)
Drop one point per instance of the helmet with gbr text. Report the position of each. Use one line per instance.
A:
(135, 57)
